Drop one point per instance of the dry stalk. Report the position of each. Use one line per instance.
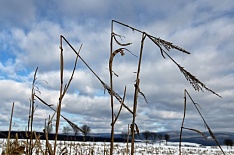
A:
(9, 131)
(128, 139)
(167, 46)
(73, 125)
(63, 90)
(48, 145)
(110, 89)
(29, 116)
(136, 94)
(106, 87)
(60, 96)
(163, 46)
(206, 125)
(120, 107)
(31, 113)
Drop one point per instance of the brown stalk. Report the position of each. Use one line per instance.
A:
(110, 90)
(73, 125)
(69, 82)
(120, 107)
(46, 135)
(9, 131)
(48, 145)
(32, 111)
(182, 125)
(136, 93)
(168, 45)
(206, 125)
(29, 119)
(128, 138)
(111, 93)
(137, 88)
(60, 96)
(116, 95)
(63, 90)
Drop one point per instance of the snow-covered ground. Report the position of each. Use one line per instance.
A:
(101, 148)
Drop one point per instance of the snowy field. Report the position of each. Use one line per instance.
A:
(101, 148)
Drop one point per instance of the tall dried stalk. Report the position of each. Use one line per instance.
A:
(31, 113)
(111, 94)
(9, 131)
(60, 96)
(206, 125)
(63, 89)
(48, 145)
(27, 132)
(137, 90)
(110, 89)
(128, 138)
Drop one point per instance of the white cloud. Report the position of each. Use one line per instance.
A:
(17, 13)
(205, 31)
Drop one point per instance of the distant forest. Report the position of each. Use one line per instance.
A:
(61, 137)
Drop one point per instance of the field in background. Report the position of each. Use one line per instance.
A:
(101, 148)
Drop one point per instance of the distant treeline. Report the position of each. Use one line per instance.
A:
(63, 137)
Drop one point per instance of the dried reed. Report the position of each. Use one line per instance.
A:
(9, 131)
(63, 89)
(206, 125)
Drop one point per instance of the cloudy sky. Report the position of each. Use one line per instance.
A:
(30, 38)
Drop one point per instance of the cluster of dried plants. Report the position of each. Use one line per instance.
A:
(164, 47)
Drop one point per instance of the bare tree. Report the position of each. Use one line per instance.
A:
(228, 142)
(86, 130)
(66, 129)
(76, 131)
(154, 136)
(160, 138)
(146, 135)
(166, 137)
(124, 135)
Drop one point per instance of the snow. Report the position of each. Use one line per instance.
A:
(98, 148)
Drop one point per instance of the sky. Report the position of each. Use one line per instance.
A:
(30, 38)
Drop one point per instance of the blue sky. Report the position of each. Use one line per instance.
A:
(29, 38)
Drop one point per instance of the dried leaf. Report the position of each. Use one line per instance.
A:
(116, 95)
(121, 44)
(143, 95)
(196, 131)
(19, 150)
